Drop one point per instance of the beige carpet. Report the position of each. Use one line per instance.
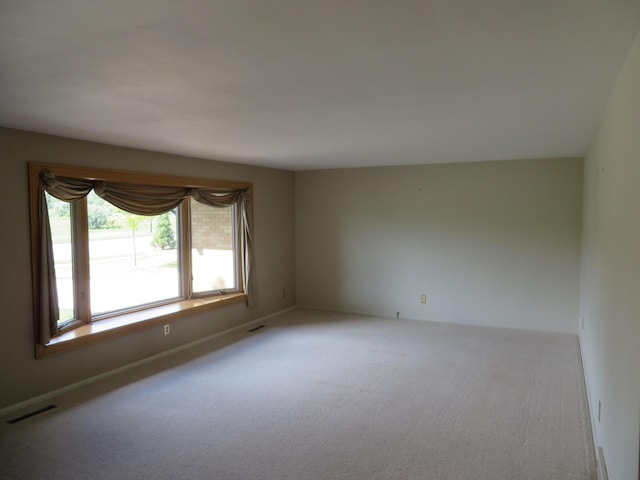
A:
(318, 395)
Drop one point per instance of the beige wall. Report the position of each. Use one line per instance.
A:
(491, 243)
(21, 376)
(610, 288)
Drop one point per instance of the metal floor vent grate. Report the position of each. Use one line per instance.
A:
(255, 328)
(32, 414)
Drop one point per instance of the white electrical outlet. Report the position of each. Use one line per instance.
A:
(423, 298)
(167, 329)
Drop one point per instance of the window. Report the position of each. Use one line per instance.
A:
(213, 263)
(133, 259)
(130, 246)
(60, 224)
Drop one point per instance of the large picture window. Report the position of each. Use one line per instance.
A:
(109, 244)
(133, 259)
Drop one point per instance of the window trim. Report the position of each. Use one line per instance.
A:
(79, 332)
(124, 324)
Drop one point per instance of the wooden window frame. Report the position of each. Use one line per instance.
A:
(85, 329)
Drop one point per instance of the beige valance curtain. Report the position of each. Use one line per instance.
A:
(139, 200)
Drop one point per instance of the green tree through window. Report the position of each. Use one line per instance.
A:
(164, 237)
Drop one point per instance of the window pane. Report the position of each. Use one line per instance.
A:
(60, 221)
(133, 259)
(212, 242)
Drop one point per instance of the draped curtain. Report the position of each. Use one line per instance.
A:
(139, 200)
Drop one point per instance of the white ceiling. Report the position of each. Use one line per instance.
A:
(302, 84)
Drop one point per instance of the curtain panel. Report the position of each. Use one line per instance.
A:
(139, 200)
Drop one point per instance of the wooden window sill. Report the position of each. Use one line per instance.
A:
(132, 322)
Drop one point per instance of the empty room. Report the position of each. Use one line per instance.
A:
(320, 240)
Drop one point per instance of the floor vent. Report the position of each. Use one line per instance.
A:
(256, 328)
(32, 414)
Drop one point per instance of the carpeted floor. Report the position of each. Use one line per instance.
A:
(317, 395)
